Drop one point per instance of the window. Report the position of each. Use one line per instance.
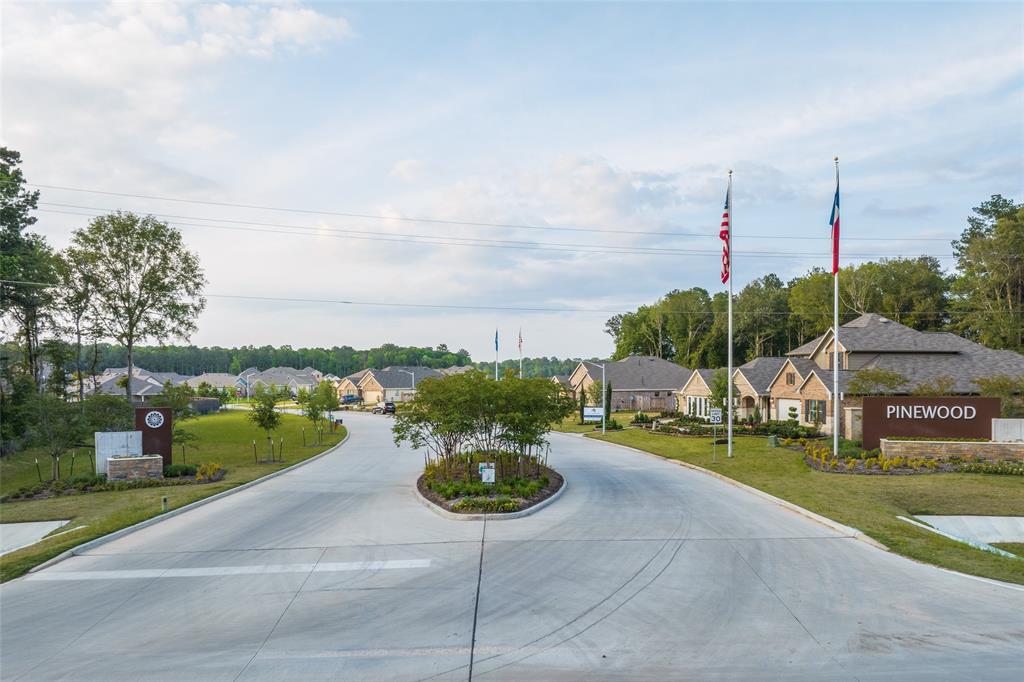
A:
(657, 394)
(790, 378)
(814, 411)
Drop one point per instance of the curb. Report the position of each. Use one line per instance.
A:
(117, 534)
(490, 517)
(848, 531)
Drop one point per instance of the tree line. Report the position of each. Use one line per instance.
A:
(982, 299)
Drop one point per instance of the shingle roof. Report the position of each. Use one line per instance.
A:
(641, 372)
(760, 372)
(398, 377)
(562, 380)
(215, 379)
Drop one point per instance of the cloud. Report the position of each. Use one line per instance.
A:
(116, 84)
(407, 170)
(875, 210)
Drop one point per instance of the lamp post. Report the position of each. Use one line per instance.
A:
(412, 374)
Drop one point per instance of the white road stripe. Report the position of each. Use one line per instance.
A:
(210, 571)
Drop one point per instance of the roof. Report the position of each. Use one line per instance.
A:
(640, 373)
(562, 380)
(825, 375)
(284, 376)
(760, 372)
(215, 379)
(400, 377)
(457, 369)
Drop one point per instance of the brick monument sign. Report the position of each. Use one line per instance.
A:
(949, 417)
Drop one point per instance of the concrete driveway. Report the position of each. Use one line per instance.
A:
(642, 570)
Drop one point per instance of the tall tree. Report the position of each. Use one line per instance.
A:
(988, 301)
(26, 261)
(75, 302)
(146, 284)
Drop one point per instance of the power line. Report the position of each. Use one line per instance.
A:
(468, 223)
(448, 240)
(453, 306)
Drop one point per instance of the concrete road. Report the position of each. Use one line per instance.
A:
(642, 570)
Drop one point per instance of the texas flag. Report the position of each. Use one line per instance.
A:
(495, 339)
(724, 233)
(834, 222)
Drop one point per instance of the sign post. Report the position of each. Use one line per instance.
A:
(157, 431)
(486, 470)
(593, 414)
(716, 419)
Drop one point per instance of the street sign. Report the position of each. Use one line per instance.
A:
(592, 414)
(486, 470)
(716, 415)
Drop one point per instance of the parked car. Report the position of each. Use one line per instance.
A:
(384, 408)
(349, 399)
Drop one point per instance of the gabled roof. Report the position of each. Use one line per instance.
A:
(640, 373)
(457, 369)
(760, 373)
(702, 375)
(825, 376)
(215, 379)
(399, 377)
(562, 380)
(872, 333)
(802, 366)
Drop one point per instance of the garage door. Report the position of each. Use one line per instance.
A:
(782, 408)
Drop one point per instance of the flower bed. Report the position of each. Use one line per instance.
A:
(821, 458)
(90, 483)
(520, 483)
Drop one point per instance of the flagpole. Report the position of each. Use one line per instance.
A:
(495, 354)
(520, 353)
(835, 329)
(728, 405)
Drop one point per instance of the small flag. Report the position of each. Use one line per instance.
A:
(495, 340)
(834, 222)
(520, 340)
(724, 233)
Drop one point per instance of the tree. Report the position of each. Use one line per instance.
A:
(1010, 390)
(940, 385)
(594, 393)
(106, 413)
(872, 380)
(26, 261)
(318, 403)
(988, 291)
(146, 284)
(720, 388)
(56, 426)
(75, 302)
(760, 316)
(583, 405)
(264, 413)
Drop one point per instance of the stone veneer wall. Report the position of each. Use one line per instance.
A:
(943, 449)
(131, 468)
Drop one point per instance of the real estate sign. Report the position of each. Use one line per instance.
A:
(948, 417)
(592, 414)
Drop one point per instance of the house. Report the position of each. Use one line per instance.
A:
(145, 385)
(923, 359)
(217, 380)
(457, 369)
(639, 382)
(288, 378)
(753, 382)
(393, 384)
(349, 386)
(694, 397)
(563, 381)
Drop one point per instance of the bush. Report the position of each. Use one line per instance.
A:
(486, 505)
(209, 471)
(641, 418)
(1004, 468)
(179, 470)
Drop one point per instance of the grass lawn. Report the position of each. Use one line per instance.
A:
(225, 437)
(570, 425)
(1011, 547)
(868, 503)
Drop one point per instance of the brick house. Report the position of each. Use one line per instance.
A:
(694, 398)
(639, 382)
(392, 384)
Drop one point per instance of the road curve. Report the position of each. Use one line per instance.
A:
(642, 570)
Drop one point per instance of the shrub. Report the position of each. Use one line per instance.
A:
(486, 505)
(179, 470)
(209, 471)
(1004, 468)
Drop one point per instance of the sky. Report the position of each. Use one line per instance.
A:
(300, 146)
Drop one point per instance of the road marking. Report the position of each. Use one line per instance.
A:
(213, 571)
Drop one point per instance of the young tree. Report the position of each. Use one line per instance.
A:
(1009, 389)
(594, 393)
(145, 283)
(720, 388)
(56, 426)
(583, 404)
(264, 413)
(608, 401)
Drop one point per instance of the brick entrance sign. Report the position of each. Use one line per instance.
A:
(951, 417)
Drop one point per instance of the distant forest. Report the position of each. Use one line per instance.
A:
(339, 360)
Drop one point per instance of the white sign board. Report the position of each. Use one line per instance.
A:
(716, 415)
(116, 444)
(486, 470)
(592, 414)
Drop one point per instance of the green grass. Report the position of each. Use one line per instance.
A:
(868, 503)
(1011, 547)
(570, 425)
(225, 437)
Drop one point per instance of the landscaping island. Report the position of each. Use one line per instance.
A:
(522, 483)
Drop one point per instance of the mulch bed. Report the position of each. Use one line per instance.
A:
(555, 482)
(859, 469)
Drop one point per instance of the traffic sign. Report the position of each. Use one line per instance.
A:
(716, 415)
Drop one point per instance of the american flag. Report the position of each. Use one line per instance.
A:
(724, 234)
(834, 222)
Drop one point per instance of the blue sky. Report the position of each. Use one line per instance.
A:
(620, 116)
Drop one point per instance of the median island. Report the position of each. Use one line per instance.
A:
(484, 442)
